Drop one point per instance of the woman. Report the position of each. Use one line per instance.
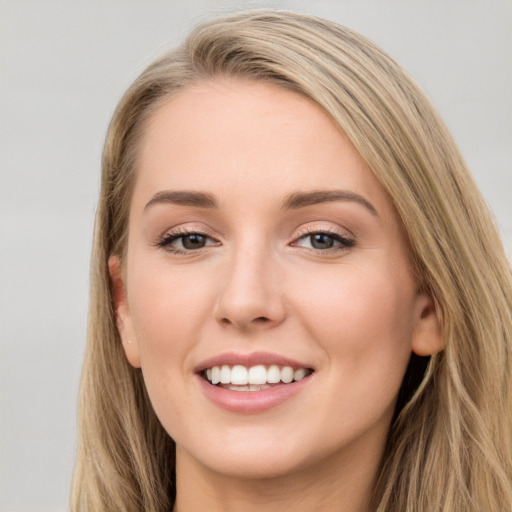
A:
(299, 300)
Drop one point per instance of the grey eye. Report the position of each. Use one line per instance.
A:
(321, 241)
(193, 241)
(324, 241)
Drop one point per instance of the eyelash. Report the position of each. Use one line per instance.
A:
(168, 239)
(344, 242)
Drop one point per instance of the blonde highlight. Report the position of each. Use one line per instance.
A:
(450, 447)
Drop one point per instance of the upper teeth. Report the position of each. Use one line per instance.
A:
(240, 375)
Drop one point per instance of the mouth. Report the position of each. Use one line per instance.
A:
(253, 378)
(268, 379)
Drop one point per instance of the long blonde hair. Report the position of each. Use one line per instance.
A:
(449, 447)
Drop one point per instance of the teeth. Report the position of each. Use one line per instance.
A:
(257, 375)
(239, 375)
(255, 378)
(274, 374)
(225, 374)
(251, 387)
(287, 374)
(256, 387)
(299, 374)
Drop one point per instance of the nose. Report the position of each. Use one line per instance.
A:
(251, 296)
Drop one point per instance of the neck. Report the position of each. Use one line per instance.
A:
(329, 486)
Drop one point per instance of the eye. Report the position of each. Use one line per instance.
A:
(186, 241)
(324, 241)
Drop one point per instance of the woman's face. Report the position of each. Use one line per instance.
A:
(261, 247)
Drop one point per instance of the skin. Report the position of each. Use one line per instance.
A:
(353, 313)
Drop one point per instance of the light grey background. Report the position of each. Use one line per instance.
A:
(63, 66)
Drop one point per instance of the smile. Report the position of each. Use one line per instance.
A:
(253, 378)
(271, 379)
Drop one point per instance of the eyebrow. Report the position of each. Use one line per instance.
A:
(293, 201)
(302, 199)
(183, 198)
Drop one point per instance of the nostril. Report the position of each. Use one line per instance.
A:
(255, 321)
(261, 319)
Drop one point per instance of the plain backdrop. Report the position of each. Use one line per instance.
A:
(63, 66)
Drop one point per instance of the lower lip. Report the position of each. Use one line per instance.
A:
(250, 402)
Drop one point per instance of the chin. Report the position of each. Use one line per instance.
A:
(250, 456)
(256, 466)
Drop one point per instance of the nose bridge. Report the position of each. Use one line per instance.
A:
(250, 295)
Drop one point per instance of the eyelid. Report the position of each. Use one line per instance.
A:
(187, 228)
(164, 241)
(311, 228)
(345, 240)
(170, 235)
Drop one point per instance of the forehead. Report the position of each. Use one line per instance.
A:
(252, 136)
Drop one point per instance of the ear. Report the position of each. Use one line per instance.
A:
(427, 339)
(122, 311)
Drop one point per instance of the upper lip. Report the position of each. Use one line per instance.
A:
(248, 360)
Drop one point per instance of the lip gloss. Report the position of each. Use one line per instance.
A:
(251, 402)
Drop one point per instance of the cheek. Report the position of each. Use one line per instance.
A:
(167, 308)
(363, 323)
(363, 319)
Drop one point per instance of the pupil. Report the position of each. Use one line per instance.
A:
(321, 241)
(193, 241)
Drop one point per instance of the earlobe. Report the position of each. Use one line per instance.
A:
(122, 312)
(427, 339)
